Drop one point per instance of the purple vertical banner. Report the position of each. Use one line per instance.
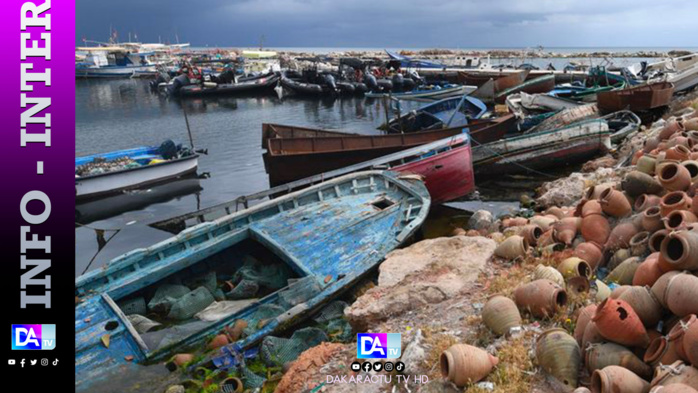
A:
(37, 201)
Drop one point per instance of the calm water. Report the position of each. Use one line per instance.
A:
(119, 114)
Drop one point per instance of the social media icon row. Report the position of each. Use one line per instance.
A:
(32, 362)
(377, 366)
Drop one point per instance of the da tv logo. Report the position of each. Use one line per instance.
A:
(378, 345)
(33, 337)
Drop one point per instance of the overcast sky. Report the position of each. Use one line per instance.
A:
(395, 24)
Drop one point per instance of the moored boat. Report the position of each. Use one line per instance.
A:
(249, 85)
(109, 173)
(450, 112)
(542, 84)
(281, 244)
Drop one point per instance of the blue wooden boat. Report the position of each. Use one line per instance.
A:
(327, 237)
(406, 62)
(450, 112)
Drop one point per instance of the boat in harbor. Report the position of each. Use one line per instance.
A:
(450, 112)
(102, 174)
(542, 84)
(114, 62)
(292, 158)
(254, 84)
(681, 71)
(637, 98)
(301, 250)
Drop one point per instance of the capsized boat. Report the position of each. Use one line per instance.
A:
(542, 150)
(450, 112)
(109, 173)
(300, 250)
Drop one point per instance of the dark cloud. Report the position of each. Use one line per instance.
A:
(389, 23)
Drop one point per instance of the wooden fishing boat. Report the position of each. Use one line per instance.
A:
(541, 84)
(489, 90)
(423, 94)
(542, 150)
(637, 98)
(450, 112)
(289, 159)
(243, 86)
(316, 243)
(109, 173)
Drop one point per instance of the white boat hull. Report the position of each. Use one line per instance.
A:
(115, 72)
(113, 182)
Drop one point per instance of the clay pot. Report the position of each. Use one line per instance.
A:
(590, 207)
(559, 355)
(595, 228)
(681, 340)
(555, 211)
(652, 220)
(566, 229)
(511, 248)
(501, 314)
(591, 335)
(514, 222)
(574, 266)
(623, 274)
(679, 152)
(531, 233)
(590, 252)
(599, 356)
(655, 242)
(645, 201)
(659, 288)
(456, 232)
(691, 125)
(594, 192)
(549, 273)
(582, 321)
(644, 303)
(650, 144)
(463, 364)
(618, 322)
(673, 388)
(616, 379)
(674, 177)
(219, 341)
(670, 128)
(637, 183)
(677, 372)
(231, 385)
(661, 351)
(581, 389)
(614, 203)
(679, 251)
(648, 272)
(541, 298)
(646, 164)
(620, 236)
(542, 221)
(179, 360)
(234, 332)
(681, 294)
(677, 200)
(692, 167)
(639, 244)
(679, 219)
(617, 258)
(690, 340)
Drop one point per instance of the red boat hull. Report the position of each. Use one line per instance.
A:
(448, 175)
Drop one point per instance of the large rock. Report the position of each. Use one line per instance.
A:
(427, 272)
(567, 191)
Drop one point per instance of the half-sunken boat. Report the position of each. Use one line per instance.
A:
(638, 98)
(103, 174)
(292, 158)
(282, 259)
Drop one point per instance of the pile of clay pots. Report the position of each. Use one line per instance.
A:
(640, 237)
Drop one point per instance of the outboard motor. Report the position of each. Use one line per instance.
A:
(370, 82)
(178, 83)
(329, 79)
(168, 149)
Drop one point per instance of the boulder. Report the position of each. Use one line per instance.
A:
(427, 272)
